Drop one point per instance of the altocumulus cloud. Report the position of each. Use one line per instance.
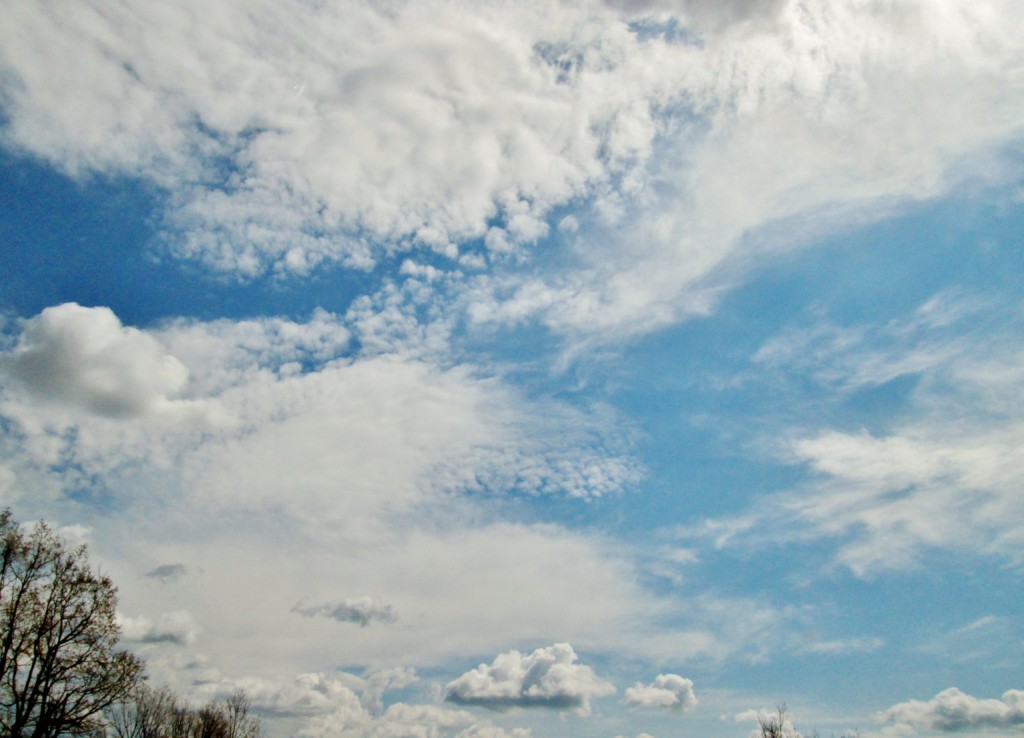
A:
(360, 610)
(954, 711)
(548, 677)
(669, 691)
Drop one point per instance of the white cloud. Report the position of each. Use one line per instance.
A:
(954, 711)
(668, 691)
(422, 721)
(791, 116)
(178, 628)
(345, 704)
(459, 117)
(360, 610)
(942, 474)
(439, 126)
(317, 704)
(548, 677)
(84, 358)
(778, 718)
(846, 645)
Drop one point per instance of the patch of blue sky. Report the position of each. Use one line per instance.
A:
(98, 242)
(672, 31)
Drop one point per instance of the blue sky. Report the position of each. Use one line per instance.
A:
(610, 369)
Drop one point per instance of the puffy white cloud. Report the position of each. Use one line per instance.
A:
(421, 721)
(668, 691)
(318, 704)
(954, 711)
(345, 704)
(359, 610)
(548, 677)
(179, 628)
(84, 358)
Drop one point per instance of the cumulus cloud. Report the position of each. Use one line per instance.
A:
(668, 691)
(178, 628)
(954, 711)
(345, 704)
(548, 677)
(403, 719)
(360, 610)
(84, 358)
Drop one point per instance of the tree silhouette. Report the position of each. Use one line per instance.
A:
(59, 663)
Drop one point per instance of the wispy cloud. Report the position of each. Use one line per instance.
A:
(940, 475)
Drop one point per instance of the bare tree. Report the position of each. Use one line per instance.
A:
(778, 725)
(158, 713)
(774, 726)
(59, 663)
(149, 713)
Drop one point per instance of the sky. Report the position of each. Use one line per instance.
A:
(536, 369)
